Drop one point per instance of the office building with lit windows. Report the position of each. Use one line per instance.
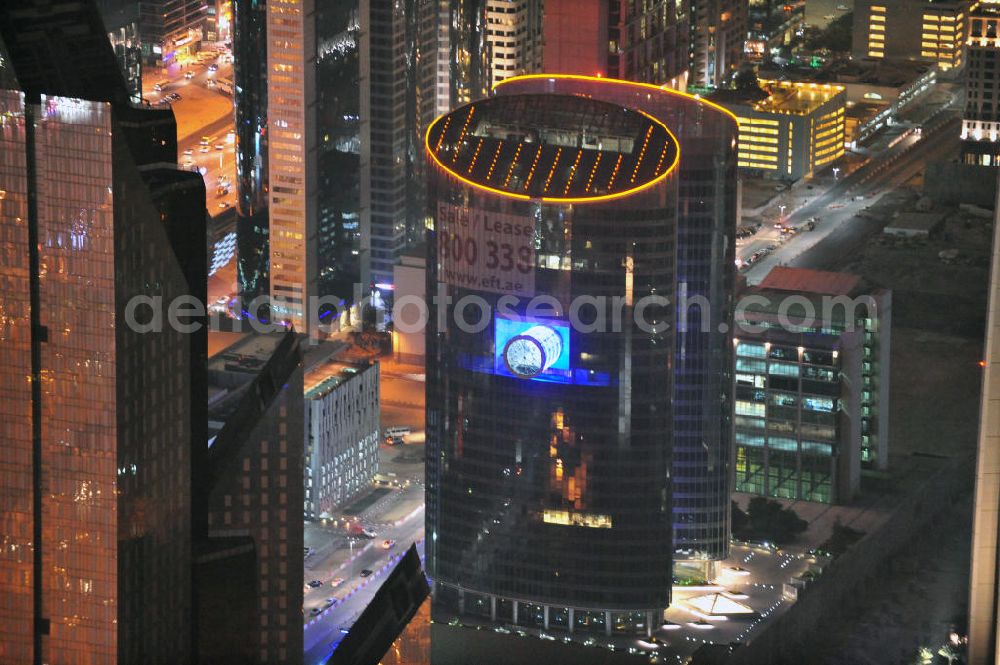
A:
(121, 19)
(102, 424)
(912, 30)
(514, 37)
(981, 119)
(291, 155)
(342, 434)
(718, 35)
(788, 130)
(793, 436)
(170, 28)
(567, 463)
(274, 46)
(812, 385)
(384, 156)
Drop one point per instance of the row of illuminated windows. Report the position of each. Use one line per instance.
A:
(757, 165)
(811, 403)
(757, 133)
(756, 121)
(825, 129)
(753, 156)
(784, 443)
(836, 147)
(753, 139)
(826, 145)
(824, 160)
(761, 151)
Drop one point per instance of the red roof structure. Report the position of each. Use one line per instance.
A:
(803, 280)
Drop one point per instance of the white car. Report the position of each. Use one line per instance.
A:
(188, 152)
(189, 75)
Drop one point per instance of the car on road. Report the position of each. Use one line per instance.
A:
(388, 544)
(398, 430)
(189, 75)
(314, 584)
(220, 146)
(366, 572)
(315, 611)
(223, 205)
(203, 149)
(502, 630)
(213, 67)
(336, 582)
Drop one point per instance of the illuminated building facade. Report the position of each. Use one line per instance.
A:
(98, 416)
(984, 584)
(514, 37)
(792, 438)
(788, 130)
(811, 395)
(981, 120)
(912, 30)
(170, 28)
(291, 155)
(342, 434)
(551, 445)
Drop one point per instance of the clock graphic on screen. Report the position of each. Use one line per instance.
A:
(532, 352)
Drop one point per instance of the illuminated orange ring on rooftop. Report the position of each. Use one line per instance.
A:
(597, 198)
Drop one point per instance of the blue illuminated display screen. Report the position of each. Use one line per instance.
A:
(535, 349)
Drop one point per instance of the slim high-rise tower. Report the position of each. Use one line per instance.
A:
(291, 116)
(250, 75)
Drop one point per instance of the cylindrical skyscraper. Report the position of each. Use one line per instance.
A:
(566, 210)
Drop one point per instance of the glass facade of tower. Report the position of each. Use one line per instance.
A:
(250, 76)
(549, 435)
(702, 439)
(95, 563)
